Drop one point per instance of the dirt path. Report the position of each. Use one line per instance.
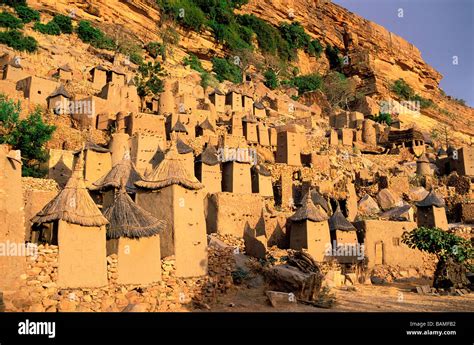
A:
(394, 297)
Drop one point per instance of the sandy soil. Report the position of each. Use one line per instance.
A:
(392, 297)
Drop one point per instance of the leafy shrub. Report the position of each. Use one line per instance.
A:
(185, 12)
(383, 118)
(402, 89)
(155, 49)
(13, 3)
(226, 70)
(27, 14)
(194, 62)
(424, 102)
(48, 29)
(64, 23)
(271, 79)
(439, 242)
(16, 40)
(89, 34)
(314, 48)
(148, 79)
(136, 58)
(28, 135)
(8, 20)
(295, 35)
(308, 82)
(332, 53)
(339, 90)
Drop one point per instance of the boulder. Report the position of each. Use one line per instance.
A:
(417, 193)
(368, 206)
(387, 199)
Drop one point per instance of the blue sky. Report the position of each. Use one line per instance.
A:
(440, 29)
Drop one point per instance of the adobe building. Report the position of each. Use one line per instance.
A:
(236, 126)
(333, 138)
(343, 234)
(11, 217)
(208, 170)
(465, 161)
(58, 101)
(97, 162)
(133, 234)
(250, 129)
(178, 130)
(120, 97)
(218, 98)
(234, 100)
(236, 177)
(167, 103)
(79, 231)
(423, 166)
(146, 151)
(186, 154)
(206, 129)
(124, 172)
(98, 76)
(64, 73)
(263, 135)
(288, 148)
(369, 134)
(37, 90)
(35, 200)
(255, 240)
(273, 136)
(262, 181)
(146, 124)
(119, 147)
(259, 110)
(310, 230)
(13, 71)
(117, 76)
(182, 207)
(247, 104)
(60, 165)
(347, 136)
(431, 212)
(383, 244)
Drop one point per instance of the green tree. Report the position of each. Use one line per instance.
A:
(27, 14)
(226, 70)
(64, 23)
(271, 79)
(8, 20)
(28, 135)
(339, 90)
(148, 79)
(16, 40)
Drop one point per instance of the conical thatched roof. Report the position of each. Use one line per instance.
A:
(209, 156)
(73, 204)
(60, 91)
(170, 171)
(318, 199)
(127, 219)
(309, 211)
(122, 171)
(339, 222)
(182, 147)
(432, 199)
(89, 145)
(179, 127)
(207, 125)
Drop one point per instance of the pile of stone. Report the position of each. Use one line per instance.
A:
(31, 183)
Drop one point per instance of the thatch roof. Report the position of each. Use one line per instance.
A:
(73, 204)
(209, 156)
(170, 171)
(122, 171)
(182, 147)
(339, 222)
(127, 219)
(60, 91)
(207, 125)
(100, 68)
(179, 127)
(318, 199)
(432, 199)
(261, 170)
(89, 145)
(217, 92)
(404, 135)
(309, 211)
